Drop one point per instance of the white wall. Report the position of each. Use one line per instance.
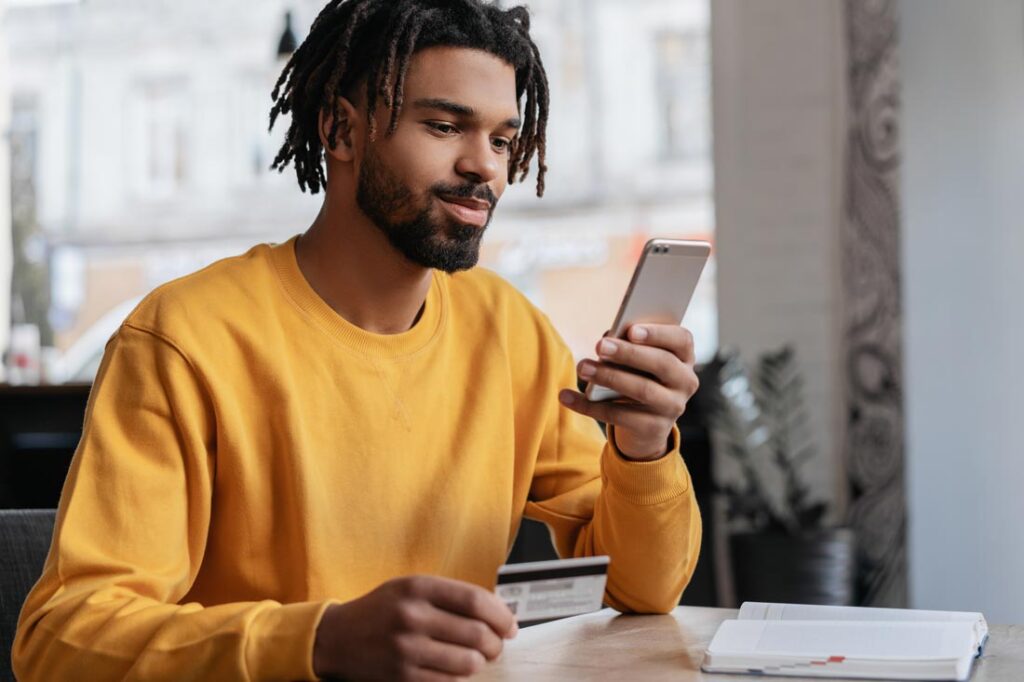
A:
(963, 190)
(6, 247)
(778, 89)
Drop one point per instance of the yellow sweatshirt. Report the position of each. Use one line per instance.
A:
(249, 457)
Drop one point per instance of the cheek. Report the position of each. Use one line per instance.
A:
(499, 186)
(418, 161)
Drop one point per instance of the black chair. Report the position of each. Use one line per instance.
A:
(25, 536)
(39, 429)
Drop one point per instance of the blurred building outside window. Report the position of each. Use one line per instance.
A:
(157, 131)
(140, 153)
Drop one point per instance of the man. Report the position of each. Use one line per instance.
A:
(310, 460)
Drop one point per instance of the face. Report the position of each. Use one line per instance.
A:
(432, 186)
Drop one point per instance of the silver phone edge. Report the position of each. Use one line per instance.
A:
(616, 331)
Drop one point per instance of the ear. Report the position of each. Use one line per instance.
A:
(348, 126)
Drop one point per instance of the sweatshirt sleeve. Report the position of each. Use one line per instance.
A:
(129, 539)
(643, 515)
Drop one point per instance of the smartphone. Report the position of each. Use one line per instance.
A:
(663, 284)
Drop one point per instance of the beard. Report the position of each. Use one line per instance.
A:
(412, 225)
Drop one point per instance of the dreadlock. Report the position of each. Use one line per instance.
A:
(373, 40)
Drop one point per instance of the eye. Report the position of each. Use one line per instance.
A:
(501, 144)
(442, 128)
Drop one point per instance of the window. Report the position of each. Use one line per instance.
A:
(158, 125)
(683, 87)
(163, 132)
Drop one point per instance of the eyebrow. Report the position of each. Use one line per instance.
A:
(459, 110)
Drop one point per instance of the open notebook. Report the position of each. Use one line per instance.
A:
(846, 641)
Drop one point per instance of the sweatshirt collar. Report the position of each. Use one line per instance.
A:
(302, 295)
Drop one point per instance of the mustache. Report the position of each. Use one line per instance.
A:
(467, 191)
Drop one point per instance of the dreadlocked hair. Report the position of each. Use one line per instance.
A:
(373, 40)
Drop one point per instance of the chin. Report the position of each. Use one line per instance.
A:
(456, 256)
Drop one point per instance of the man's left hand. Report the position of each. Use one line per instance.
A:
(652, 401)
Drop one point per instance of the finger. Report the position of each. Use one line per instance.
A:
(430, 659)
(465, 632)
(468, 600)
(625, 415)
(675, 339)
(662, 364)
(642, 389)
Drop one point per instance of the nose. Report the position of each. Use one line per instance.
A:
(478, 161)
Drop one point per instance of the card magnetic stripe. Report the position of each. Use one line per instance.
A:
(551, 574)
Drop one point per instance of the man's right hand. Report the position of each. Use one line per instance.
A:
(413, 628)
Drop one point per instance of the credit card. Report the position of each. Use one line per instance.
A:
(543, 590)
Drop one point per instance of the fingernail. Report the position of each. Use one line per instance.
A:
(638, 333)
(587, 370)
(514, 631)
(567, 397)
(607, 347)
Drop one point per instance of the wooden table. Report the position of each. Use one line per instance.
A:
(608, 646)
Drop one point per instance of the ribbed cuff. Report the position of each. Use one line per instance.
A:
(280, 642)
(652, 482)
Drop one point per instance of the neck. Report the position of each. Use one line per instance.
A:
(353, 267)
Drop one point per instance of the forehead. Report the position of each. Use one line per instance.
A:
(474, 78)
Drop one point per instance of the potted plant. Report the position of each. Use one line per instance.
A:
(781, 550)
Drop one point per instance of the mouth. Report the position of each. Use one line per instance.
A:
(466, 209)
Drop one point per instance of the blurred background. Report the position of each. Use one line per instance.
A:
(856, 164)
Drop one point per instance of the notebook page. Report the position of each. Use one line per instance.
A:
(877, 641)
(773, 611)
(765, 611)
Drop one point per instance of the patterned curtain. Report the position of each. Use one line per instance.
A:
(873, 437)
